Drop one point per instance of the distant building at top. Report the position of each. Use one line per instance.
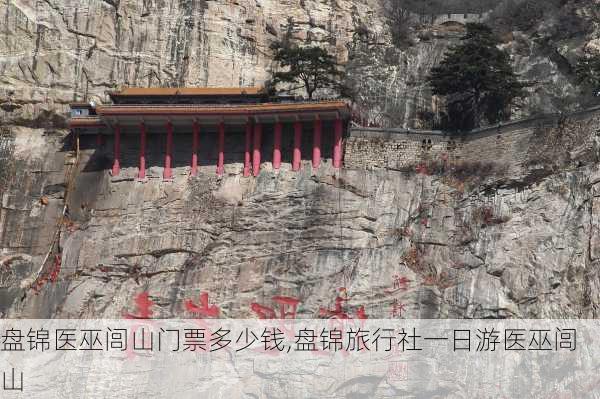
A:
(463, 19)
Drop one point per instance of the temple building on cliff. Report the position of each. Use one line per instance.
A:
(214, 126)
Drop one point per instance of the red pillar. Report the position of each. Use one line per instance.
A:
(168, 172)
(142, 171)
(256, 150)
(277, 146)
(99, 139)
(247, 149)
(221, 150)
(297, 156)
(196, 133)
(337, 144)
(316, 159)
(116, 169)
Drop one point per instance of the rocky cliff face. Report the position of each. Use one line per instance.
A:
(55, 52)
(397, 244)
(402, 245)
(391, 81)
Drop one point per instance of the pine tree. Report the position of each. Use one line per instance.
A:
(311, 68)
(477, 80)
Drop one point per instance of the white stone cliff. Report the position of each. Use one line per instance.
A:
(304, 235)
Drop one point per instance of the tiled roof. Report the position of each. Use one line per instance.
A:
(238, 109)
(188, 91)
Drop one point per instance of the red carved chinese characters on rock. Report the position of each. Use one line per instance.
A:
(204, 309)
(285, 303)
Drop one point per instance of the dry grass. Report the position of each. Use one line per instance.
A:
(460, 175)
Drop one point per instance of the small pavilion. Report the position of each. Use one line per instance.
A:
(217, 112)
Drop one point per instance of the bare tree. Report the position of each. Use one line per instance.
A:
(399, 21)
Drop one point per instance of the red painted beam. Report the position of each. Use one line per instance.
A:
(247, 149)
(337, 144)
(297, 155)
(316, 156)
(195, 140)
(168, 172)
(277, 146)
(221, 150)
(142, 167)
(116, 168)
(256, 150)
(257, 109)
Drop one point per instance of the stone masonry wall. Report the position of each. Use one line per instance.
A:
(511, 145)
(392, 149)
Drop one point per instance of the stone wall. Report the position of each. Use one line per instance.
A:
(514, 146)
(511, 144)
(392, 149)
(459, 18)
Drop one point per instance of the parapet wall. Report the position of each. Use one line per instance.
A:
(509, 144)
(392, 149)
(459, 18)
